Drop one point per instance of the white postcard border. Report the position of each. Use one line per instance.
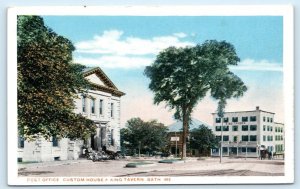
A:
(228, 10)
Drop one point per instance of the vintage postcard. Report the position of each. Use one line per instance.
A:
(150, 95)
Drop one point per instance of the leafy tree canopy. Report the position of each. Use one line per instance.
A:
(203, 139)
(48, 82)
(183, 76)
(149, 136)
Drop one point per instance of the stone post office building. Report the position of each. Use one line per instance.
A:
(101, 104)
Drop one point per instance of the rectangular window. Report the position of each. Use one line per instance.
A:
(235, 119)
(218, 120)
(253, 127)
(251, 149)
(235, 139)
(244, 119)
(276, 129)
(243, 149)
(268, 128)
(264, 118)
(235, 128)
(225, 150)
(264, 138)
(225, 119)
(20, 142)
(218, 138)
(225, 138)
(218, 128)
(92, 106)
(244, 127)
(271, 128)
(101, 107)
(112, 110)
(245, 138)
(271, 120)
(54, 141)
(264, 128)
(225, 128)
(84, 104)
(253, 138)
(252, 118)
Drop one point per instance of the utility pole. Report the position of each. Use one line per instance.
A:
(221, 145)
(175, 145)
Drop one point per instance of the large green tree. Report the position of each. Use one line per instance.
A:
(203, 139)
(182, 77)
(143, 136)
(48, 82)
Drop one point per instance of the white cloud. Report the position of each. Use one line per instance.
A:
(111, 42)
(262, 65)
(115, 61)
(180, 35)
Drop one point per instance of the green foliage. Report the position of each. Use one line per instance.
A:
(227, 86)
(203, 139)
(48, 82)
(181, 77)
(149, 136)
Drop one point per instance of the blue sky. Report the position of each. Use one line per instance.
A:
(123, 46)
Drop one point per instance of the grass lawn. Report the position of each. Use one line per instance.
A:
(139, 164)
(171, 161)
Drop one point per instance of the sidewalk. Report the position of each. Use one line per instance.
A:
(51, 163)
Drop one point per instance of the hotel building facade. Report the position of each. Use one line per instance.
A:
(247, 133)
(102, 104)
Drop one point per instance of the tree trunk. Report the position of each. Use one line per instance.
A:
(184, 134)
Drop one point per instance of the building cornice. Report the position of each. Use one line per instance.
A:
(113, 91)
(247, 111)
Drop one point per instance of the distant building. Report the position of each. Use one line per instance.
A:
(102, 105)
(246, 133)
(175, 136)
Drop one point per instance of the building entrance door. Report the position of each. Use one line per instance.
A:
(93, 143)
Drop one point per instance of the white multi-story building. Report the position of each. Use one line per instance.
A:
(102, 105)
(246, 133)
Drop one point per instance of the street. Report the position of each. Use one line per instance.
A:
(192, 167)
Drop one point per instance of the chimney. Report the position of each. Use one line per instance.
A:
(257, 107)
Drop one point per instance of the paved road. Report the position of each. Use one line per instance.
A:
(207, 167)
